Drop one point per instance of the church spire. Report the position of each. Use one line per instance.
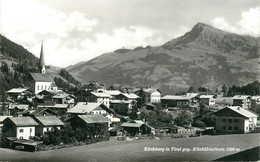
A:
(42, 63)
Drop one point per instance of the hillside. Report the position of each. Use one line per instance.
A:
(16, 64)
(205, 56)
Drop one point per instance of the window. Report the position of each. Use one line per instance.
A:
(38, 87)
(42, 87)
(21, 130)
(45, 87)
(224, 127)
(229, 128)
(30, 129)
(235, 128)
(230, 120)
(48, 129)
(236, 120)
(224, 120)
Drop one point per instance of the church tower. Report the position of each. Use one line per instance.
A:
(42, 63)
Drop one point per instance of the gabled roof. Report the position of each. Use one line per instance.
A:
(64, 95)
(2, 118)
(177, 97)
(135, 125)
(240, 97)
(150, 90)
(17, 90)
(83, 107)
(113, 92)
(102, 94)
(239, 110)
(49, 120)
(39, 77)
(23, 121)
(37, 111)
(95, 118)
(207, 96)
(120, 101)
(19, 106)
(130, 95)
(55, 106)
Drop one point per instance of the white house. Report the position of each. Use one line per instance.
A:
(208, 99)
(235, 119)
(152, 95)
(20, 127)
(46, 124)
(242, 100)
(99, 97)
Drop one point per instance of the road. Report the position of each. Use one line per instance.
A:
(179, 149)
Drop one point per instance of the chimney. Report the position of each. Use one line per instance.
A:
(238, 108)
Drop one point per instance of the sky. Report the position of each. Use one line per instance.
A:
(79, 30)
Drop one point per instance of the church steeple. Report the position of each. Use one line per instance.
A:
(42, 63)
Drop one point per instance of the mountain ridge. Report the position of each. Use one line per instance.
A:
(205, 56)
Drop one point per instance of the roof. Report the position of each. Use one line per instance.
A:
(240, 97)
(28, 142)
(241, 111)
(64, 95)
(39, 77)
(102, 94)
(19, 106)
(2, 118)
(177, 97)
(41, 62)
(23, 121)
(55, 106)
(130, 95)
(95, 118)
(150, 90)
(135, 125)
(49, 120)
(120, 101)
(226, 100)
(36, 111)
(83, 107)
(17, 90)
(113, 92)
(207, 96)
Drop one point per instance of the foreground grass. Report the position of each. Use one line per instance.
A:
(135, 150)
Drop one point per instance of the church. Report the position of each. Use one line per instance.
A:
(43, 81)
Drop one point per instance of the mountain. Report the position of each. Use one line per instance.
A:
(204, 56)
(16, 64)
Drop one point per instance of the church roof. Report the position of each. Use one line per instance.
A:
(38, 77)
(42, 63)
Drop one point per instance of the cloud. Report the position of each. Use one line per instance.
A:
(249, 23)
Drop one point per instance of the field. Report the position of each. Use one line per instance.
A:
(235, 146)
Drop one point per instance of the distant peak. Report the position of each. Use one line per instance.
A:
(202, 25)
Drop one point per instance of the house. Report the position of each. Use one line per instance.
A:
(18, 93)
(207, 99)
(135, 128)
(242, 100)
(184, 101)
(60, 109)
(224, 101)
(96, 125)
(256, 99)
(83, 108)
(121, 107)
(2, 118)
(46, 124)
(39, 112)
(99, 97)
(94, 86)
(113, 93)
(63, 98)
(235, 119)
(152, 95)
(16, 109)
(42, 81)
(19, 127)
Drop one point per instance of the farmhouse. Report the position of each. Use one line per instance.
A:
(242, 100)
(46, 124)
(235, 119)
(18, 93)
(83, 108)
(121, 106)
(152, 95)
(19, 127)
(136, 128)
(63, 98)
(184, 101)
(17, 109)
(207, 99)
(39, 112)
(99, 97)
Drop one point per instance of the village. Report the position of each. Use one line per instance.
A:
(44, 116)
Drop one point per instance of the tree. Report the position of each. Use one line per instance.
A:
(133, 114)
(183, 119)
(202, 89)
(224, 90)
(191, 90)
